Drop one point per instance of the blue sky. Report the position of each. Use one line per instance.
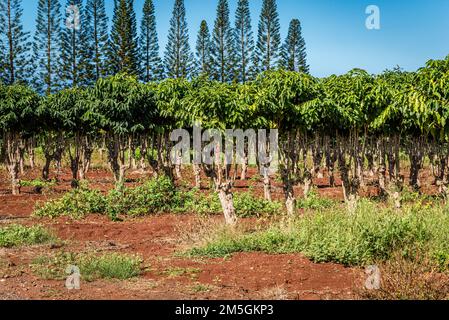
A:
(411, 33)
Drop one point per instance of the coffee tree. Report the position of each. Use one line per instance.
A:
(120, 106)
(18, 105)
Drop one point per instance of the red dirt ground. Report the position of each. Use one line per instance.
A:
(158, 239)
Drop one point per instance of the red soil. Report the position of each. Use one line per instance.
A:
(158, 239)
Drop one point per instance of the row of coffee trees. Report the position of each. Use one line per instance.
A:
(354, 126)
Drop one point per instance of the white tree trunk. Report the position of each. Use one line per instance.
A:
(227, 203)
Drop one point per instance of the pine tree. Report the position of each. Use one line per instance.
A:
(294, 56)
(14, 44)
(73, 43)
(268, 45)
(122, 47)
(244, 46)
(47, 47)
(96, 29)
(178, 57)
(150, 63)
(223, 45)
(203, 50)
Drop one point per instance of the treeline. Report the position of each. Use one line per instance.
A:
(73, 45)
(356, 127)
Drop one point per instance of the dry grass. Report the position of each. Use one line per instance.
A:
(412, 278)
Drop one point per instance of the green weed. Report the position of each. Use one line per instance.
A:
(18, 235)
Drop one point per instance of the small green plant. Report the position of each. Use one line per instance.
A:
(198, 288)
(92, 267)
(174, 272)
(18, 235)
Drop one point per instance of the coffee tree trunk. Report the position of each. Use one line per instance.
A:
(13, 142)
(117, 159)
(227, 202)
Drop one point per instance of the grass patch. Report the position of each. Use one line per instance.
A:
(174, 272)
(199, 288)
(92, 267)
(332, 235)
(18, 235)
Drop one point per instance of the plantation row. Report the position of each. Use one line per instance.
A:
(353, 124)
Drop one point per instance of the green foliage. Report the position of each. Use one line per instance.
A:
(244, 38)
(18, 235)
(245, 204)
(222, 47)
(334, 236)
(14, 44)
(122, 47)
(18, 104)
(155, 196)
(268, 38)
(47, 47)
(294, 56)
(92, 267)
(76, 204)
(38, 184)
(151, 67)
(315, 202)
(178, 58)
(97, 33)
(203, 50)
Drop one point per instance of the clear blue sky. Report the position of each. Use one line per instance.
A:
(411, 33)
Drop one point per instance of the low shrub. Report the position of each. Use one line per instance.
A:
(18, 235)
(92, 267)
(154, 196)
(245, 204)
(76, 204)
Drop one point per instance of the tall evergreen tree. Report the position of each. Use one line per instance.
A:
(47, 47)
(122, 48)
(178, 57)
(14, 43)
(96, 29)
(244, 46)
(203, 50)
(150, 63)
(223, 45)
(294, 56)
(73, 43)
(268, 45)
